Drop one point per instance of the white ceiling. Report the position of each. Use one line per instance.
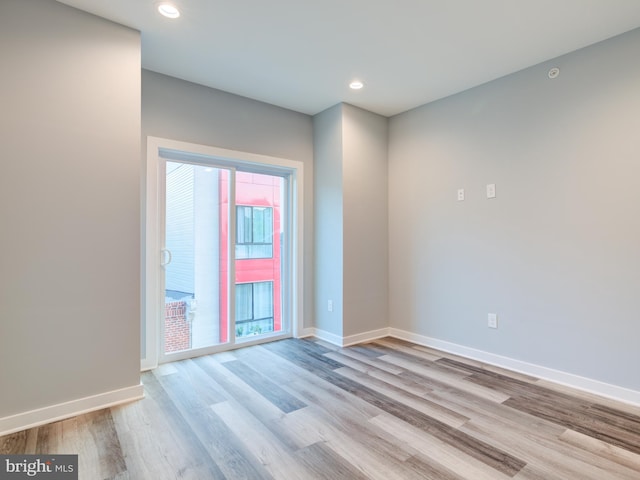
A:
(301, 54)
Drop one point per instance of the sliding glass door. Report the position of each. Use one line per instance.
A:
(259, 242)
(224, 242)
(195, 266)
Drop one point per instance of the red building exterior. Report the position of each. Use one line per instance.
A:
(252, 190)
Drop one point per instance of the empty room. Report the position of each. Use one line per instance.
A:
(320, 240)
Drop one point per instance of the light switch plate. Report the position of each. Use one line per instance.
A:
(491, 190)
(492, 320)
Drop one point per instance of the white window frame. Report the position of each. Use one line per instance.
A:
(157, 150)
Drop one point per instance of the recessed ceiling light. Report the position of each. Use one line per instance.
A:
(168, 10)
(554, 72)
(356, 85)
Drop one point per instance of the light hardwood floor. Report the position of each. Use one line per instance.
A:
(303, 409)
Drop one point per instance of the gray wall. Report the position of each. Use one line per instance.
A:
(328, 189)
(69, 205)
(179, 110)
(366, 286)
(556, 255)
(351, 220)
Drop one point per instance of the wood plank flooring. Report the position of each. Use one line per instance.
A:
(304, 409)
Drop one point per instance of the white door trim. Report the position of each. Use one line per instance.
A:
(151, 275)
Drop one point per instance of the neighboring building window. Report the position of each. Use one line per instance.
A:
(254, 232)
(254, 308)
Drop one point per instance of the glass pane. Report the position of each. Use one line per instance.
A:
(263, 300)
(254, 308)
(243, 251)
(244, 302)
(196, 234)
(254, 231)
(243, 225)
(258, 225)
(259, 263)
(268, 224)
(256, 251)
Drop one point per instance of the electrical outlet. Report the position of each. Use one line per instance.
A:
(491, 190)
(460, 194)
(330, 305)
(492, 320)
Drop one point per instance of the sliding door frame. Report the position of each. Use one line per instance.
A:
(158, 151)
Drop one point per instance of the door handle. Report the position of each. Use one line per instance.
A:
(165, 257)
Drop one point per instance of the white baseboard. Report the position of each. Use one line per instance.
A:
(147, 364)
(327, 336)
(349, 340)
(563, 378)
(306, 332)
(61, 411)
(365, 337)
